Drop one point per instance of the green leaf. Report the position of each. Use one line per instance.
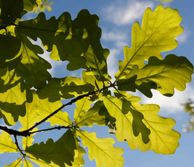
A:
(20, 162)
(27, 163)
(40, 162)
(73, 86)
(16, 163)
(29, 5)
(162, 75)
(77, 41)
(162, 138)
(101, 150)
(11, 112)
(85, 115)
(10, 11)
(32, 68)
(40, 28)
(59, 152)
(78, 159)
(129, 121)
(67, 87)
(12, 96)
(39, 109)
(6, 143)
(10, 48)
(157, 34)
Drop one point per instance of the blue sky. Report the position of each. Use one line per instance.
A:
(116, 18)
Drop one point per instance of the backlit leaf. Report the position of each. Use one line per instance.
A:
(59, 152)
(39, 109)
(101, 150)
(157, 34)
(162, 138)
(85, 115)
(6, 143)
(68, 87)
(77, 41)
(163, 75)
(78, 158)
(16, 163)
(40, 162)
(32, 67)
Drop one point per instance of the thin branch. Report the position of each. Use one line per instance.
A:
(28, 132)
(67, 104)
(14, 132)
(16, 142)
(48, 129)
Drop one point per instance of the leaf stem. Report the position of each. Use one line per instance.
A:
(28, 132)
(48, 129)
(67, 104)
(16, 142)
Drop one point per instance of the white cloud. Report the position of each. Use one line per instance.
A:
(127, 12)
(183, 37)
(171, 105)
(113, 36)
(113, 62)
(58, 67)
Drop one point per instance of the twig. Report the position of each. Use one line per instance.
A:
(16, 142)
(28, 132)
(67, 104)
(48, 129)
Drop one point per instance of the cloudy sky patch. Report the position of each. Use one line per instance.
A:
(126, 13)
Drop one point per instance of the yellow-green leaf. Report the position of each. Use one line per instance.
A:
(39, 109)
(162, 75)
(82, 107)
(157, 34)
(40, 162)
(6, 143)
(101, 150)
(78, 158)
(16, 163)
(59, 152)
(162, 138)
(87, 115)
(32, 68)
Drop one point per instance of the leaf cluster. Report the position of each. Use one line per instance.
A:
(30, 96)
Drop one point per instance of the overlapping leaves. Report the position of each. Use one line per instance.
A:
(140, 125)
(157, 34)
(77, 41)
(30, 94)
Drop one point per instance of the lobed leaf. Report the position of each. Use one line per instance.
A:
(6, 143)
(39, 109)
(157, 34)
(87, 115)
(68, 87)
(101, 150)
(77, 41)
(150, 132)
(16, 163)
(59, 152)
(162, 75)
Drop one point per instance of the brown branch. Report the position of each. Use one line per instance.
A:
(67, 104)
(14, 132)
(16, 142)
(28, 132)
(53, 128)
